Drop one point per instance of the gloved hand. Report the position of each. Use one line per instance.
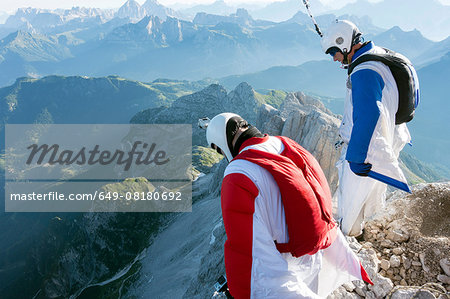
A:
(361, 169)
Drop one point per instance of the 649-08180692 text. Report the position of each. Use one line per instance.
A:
(166, 195)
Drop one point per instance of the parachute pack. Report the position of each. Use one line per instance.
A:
(406, 78)
(305, 195)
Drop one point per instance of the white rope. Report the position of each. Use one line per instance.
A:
(306, 2)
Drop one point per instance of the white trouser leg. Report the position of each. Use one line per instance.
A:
(358, 197)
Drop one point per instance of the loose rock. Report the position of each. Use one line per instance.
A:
(360, 288)
(406, 263)
(397, 251)
(387, 244)
(422, 261)
(369, 260)
(384, 264)
(412, 293)
(402, 272)
(349, 286)
(398, 236)
(445, 265)
(394, 261)
(382, 286)
(443, 278)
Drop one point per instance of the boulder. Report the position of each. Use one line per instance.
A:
(382, 286)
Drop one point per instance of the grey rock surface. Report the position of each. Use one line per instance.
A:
(306, 121)
(408, 293)
(382, 286)
(206, 103)
(270, 119)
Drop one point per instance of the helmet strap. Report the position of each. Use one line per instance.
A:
(345, 60)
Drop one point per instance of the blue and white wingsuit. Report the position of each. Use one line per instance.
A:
(370, 135)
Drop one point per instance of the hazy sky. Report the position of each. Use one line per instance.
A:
(12, 5)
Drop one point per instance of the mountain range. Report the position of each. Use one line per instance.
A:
(430, 17)
(237, 47)
(55, 21)
(135, 12)
(154, 48)
(78, 100)
(141, 45)
(218, 7)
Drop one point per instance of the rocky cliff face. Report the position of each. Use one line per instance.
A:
(307, 121)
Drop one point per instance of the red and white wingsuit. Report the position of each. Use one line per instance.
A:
(255, 220)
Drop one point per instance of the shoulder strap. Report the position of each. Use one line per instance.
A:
(385, 58)
(403, 73)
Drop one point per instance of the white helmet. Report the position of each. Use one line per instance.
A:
(341, 34)
(216, 133)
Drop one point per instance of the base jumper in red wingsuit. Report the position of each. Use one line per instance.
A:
(270, 186)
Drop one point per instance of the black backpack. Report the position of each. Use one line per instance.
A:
(406, 78)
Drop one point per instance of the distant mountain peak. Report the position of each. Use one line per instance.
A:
(299, 17)
(244, 86)
(153, 7)
(242, 13)
(131, 9)
(132, 2)
(151, 2)
(398, 30)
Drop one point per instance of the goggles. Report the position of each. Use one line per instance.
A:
(333, 50)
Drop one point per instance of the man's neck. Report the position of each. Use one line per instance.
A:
(362, 49)
(354, 49)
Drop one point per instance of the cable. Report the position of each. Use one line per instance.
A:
(306, 2)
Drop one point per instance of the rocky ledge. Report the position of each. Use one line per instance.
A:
(406, 247)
